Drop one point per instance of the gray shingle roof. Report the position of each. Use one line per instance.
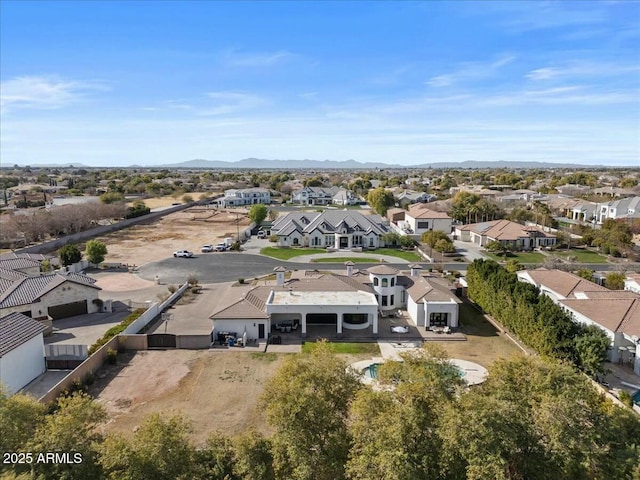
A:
(17, 329)
(27, 290)
(18, 263)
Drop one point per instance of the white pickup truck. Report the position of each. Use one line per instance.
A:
(183, 253)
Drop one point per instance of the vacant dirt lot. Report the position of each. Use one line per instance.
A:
(216, 391)
(186, 230)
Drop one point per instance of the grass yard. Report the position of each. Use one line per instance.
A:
(484, 343)
(346, 259)
(404, 254)
(583, 256)
(522, 257)
(288, 253)
(346, 348)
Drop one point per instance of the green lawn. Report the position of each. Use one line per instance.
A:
(583, 256)
(346, 259)
(346, 348)
(522, 257)
(404, 254)
(288, 253)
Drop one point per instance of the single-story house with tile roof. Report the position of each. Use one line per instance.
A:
(337, 229)
(21, 264)
(21, 351)
(344, 302)
(616, 312)
(507, 233)
(55, 295)
(558, 284)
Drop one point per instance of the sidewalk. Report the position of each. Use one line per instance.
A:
(340, 257)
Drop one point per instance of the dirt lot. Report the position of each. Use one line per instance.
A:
(215, 390)
(169, 200)
(186, 230)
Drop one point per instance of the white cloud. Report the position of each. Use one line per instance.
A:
(471, 71)
(42, 92)
(234, 58)
(231, 102)
(581, 69)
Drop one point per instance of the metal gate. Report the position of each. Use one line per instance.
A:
(161, 340)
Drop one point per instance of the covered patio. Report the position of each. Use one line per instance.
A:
(333, 311)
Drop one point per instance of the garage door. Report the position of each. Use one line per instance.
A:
(68, 310)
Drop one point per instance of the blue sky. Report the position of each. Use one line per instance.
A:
(117, 83)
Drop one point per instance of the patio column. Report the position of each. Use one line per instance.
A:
(339, 323)
(375, 323)
(303, 324)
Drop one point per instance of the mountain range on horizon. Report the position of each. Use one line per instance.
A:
(264, 164)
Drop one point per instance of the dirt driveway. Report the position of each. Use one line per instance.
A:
(215, 390)
(185, 230)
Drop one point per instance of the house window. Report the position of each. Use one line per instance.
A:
(385, 282)
(403, 297)
(438, 319)
(423, 225)
(392, 303)
(384, 300)
(295, 241)
(375, 281)
(393, 282)
(371, 241)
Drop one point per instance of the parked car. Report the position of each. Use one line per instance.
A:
(221, 247)
(262, 234)
(183, 253)
(206, 248)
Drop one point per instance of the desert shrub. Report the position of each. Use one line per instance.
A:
(625, 398)
(112, 356)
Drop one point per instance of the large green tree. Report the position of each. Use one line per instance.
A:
(95, 251)
(306, 403)
(380, 200)
(531, 418)
(615, 280)
(257, 213)
(69, 254)
(160, 449)
(71, 428)
(395, 427)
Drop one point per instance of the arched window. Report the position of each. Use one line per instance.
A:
(375, 281)
(385, 282)
(393, 282)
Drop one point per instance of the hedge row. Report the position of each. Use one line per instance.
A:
(535, 319)
(115, 330)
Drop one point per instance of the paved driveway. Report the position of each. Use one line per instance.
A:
(84, 329)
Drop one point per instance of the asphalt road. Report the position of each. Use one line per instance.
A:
(230, 266)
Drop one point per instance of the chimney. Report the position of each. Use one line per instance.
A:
(349, 266)
(415, 269)
(280, 271)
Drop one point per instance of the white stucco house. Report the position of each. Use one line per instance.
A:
(616, 312)
(632, 282)
(21, 351)
(339, 229)
(623, 208)
(339, 302)
(323, 196)
(237, 197)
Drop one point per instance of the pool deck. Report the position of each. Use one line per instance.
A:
(474, 373)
